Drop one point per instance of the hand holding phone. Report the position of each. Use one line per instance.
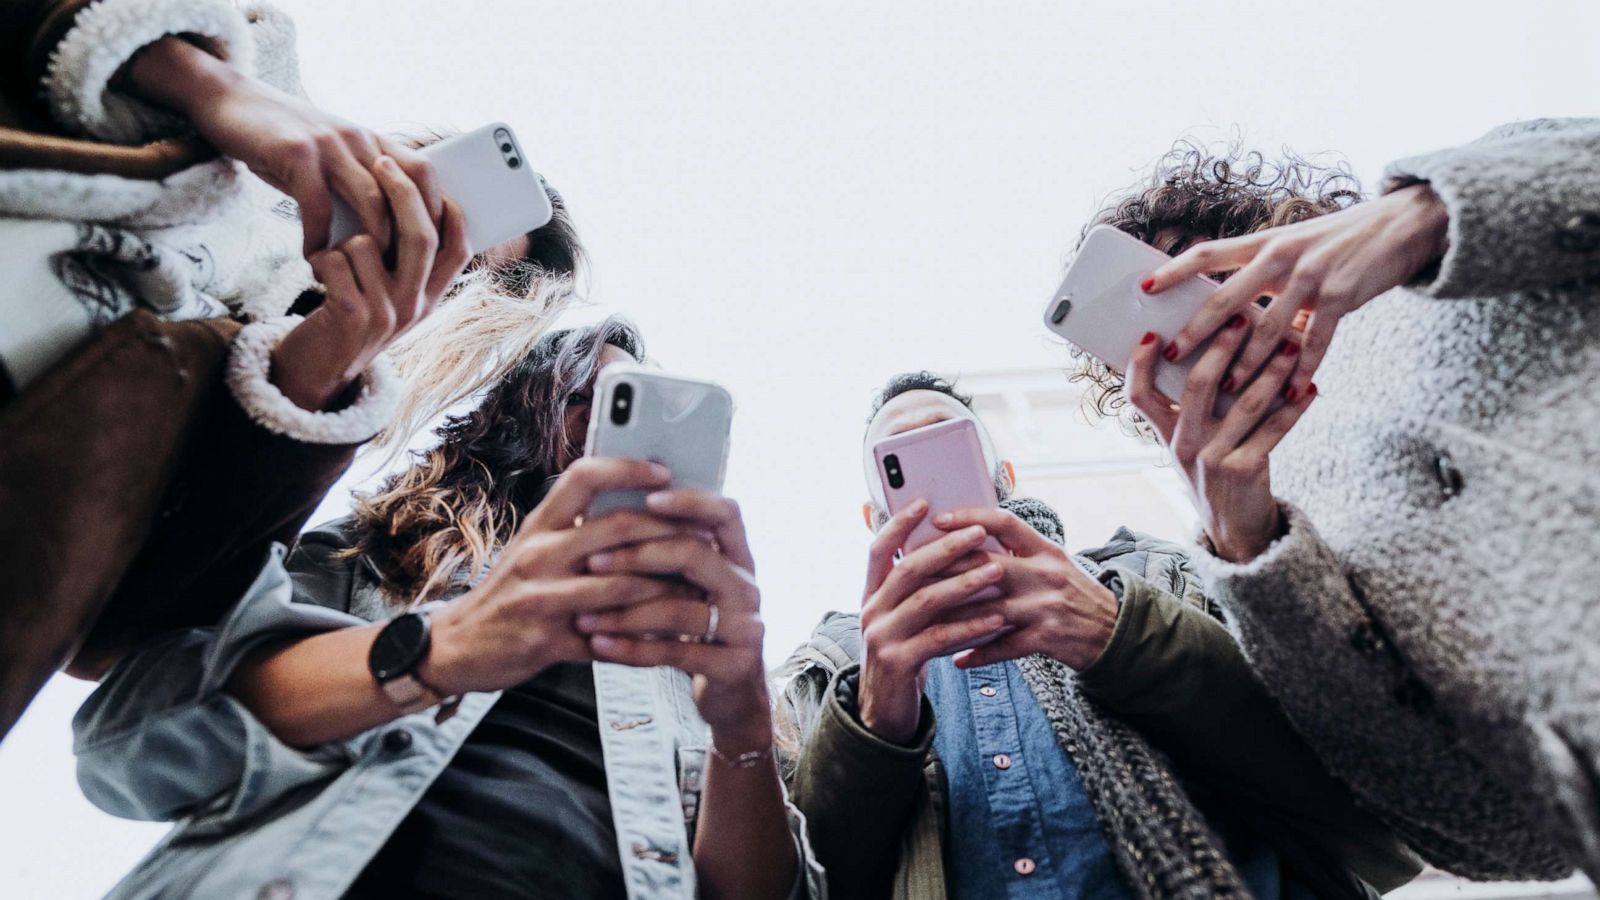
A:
(678, 422)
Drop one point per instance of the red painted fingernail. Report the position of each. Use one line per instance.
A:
(1148, 339)
(1291, 394)
(1311, 389)
(1147, 284)
(1171, 353)
(1290, 348)
(1227, 384)
(1236, 322)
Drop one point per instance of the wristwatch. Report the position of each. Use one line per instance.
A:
(400, 648)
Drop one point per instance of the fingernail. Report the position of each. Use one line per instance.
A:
(1147, 284)
(602, 644)
(600, 562)
(1290, 348)
(994, 621)
(992, 570)
(917, 507)
(1171, 353)
(1148, 339)
(971, 532)
(1236, 322)
(387, 162)
(660, 472)
(658, 500)
(1291, 394)
(1311, 390)
(943, 519)
(588, 621)
(1228, 383)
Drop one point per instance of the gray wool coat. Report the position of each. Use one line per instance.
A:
(1431, 619)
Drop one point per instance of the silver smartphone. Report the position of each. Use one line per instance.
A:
(487, 174)
(681, 423)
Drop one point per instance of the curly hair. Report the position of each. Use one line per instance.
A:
(450, 512)
(921, 380)
(1195, 194)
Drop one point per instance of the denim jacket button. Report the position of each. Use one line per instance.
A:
(1002, 761)
(276, 889)
(1025, 866)
(397, 740)
(1450, 480)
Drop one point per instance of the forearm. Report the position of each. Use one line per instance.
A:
(179, 75)
(743, 847)
(315, 690)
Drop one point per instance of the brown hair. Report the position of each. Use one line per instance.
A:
(1196, 194)
(445, 517)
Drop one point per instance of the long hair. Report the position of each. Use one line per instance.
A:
(447, 516)
(1195, 194)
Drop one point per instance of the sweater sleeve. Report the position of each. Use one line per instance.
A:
(249, 371)
(1524, 207)
(1307, 634)
(1175, 673)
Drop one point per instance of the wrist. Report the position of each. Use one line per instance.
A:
(1236, 546)
(744, 737)
(1429, 223)
(890, 714)
(181, 75)
(443, 670)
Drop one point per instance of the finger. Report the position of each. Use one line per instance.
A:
(932, 601)
(421, 173)
(918, 566)
(1204, 258)
(1235, 294)
(624, 528)
(416, 239)
(668, 618)
(350, 175)
(1015, 645)
(1014, 534)
(1139, 386)
(588, 593)
(709, 510)
(712, 660)
(963, 565)
(946, 638)
(686, 557)
(1256, 400)
(1319, 328)
(316, 211)
(1272, 328)
(586, 479)
(332, 269)
(888, 541)
(1269, 433)
(1206, 380)
(453, 255)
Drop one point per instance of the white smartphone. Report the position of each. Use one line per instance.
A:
(682, 423)
(488, 176)
(1100, 308)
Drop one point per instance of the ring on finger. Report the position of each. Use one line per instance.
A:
(713, 617)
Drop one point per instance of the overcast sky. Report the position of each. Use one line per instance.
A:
(799, 204)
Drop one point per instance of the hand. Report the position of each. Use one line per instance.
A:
(1055, 607)
(370, 304)
(521, 618)
(290, 144)
(1224, 461)
(730, 688)
(906, 619)
(1329, 265)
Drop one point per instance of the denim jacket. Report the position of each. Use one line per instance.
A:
(161, 740)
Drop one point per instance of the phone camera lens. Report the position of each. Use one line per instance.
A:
(622, 404)
(505, 148)
(891, 468)
(513, 162)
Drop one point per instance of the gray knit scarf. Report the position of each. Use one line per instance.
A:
(1162, 843)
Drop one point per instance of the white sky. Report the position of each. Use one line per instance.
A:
(798, 204)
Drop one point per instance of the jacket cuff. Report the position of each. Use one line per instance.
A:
(1116, 672)
(105, 36)
(250, 363)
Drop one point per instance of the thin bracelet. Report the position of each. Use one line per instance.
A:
(746, 760)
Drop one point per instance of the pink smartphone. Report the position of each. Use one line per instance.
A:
(941, 463)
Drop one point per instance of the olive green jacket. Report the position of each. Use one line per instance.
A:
(1170, 670)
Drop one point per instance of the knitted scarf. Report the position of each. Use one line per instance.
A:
(1162, 844)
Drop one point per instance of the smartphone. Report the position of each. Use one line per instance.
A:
(488, 176)
(1100, 308)
(941, 463)
(682, 423)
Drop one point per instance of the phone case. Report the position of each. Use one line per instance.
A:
(1100, 308)
(943, 464)
(498, 190)
(678, 422)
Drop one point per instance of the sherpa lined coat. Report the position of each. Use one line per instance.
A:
(1431, 619)
(146, 461)
(1170, 693)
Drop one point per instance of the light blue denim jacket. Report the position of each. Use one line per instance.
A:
(161, 740)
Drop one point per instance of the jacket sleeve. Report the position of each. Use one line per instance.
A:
(1307, 635)
(1524, 207)
(70, 50)
(160, 739)
(858, 793)
(1175, 674)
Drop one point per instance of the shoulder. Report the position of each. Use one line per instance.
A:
(1535, 126)
(325, 572)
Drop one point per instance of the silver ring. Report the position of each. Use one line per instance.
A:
(713, 616)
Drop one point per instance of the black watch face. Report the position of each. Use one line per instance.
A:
(399, 647)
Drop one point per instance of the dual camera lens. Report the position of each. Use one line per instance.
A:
(891, 468)
(507, 149)
(622, 404)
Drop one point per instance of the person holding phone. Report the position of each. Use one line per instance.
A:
(408, 705)
(162, 418)
(1107, 740)
(1413, 576)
